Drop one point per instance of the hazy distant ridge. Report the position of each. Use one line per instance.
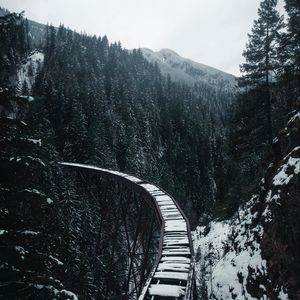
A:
(184, 69)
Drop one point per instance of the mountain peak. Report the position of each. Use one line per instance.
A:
(167, 51)
(188, 71)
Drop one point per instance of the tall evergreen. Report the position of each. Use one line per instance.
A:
(13, 45)
(270, 86)
(261, 56)
(30, 261)
(289, 51)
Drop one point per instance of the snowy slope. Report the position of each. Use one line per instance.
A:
(209, 244)
(230, 259)
(251, 256)
(183, 69)
(28, 71)
(230, 262)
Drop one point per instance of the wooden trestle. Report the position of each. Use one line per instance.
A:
(172, 275)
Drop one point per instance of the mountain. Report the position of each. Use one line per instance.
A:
(188, 71)
(170, 63)
(216, 88)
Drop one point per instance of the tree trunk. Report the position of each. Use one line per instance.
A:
(268, 94)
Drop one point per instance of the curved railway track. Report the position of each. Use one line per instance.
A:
(172, 275)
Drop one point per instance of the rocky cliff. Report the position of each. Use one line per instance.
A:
(258, 258)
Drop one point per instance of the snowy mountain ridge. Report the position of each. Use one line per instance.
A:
(189, 71)
(170, 63)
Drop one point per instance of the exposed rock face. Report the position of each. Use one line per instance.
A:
(281, 238)
(261, 255)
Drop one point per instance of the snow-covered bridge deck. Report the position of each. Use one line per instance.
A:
(172, 276)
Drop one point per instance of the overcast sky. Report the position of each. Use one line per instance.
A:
(212, 32)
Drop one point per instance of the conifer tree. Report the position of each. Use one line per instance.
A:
(30, 268)
(289, 51)
(260, 54)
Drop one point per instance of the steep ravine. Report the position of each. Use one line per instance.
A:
(254, 255)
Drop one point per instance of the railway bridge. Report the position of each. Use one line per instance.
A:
(159, 254)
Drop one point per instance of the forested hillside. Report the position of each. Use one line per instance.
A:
(78, 98)
(73, 97)
(112, 108)
(216, 88)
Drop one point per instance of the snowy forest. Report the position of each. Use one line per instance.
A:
(226, 148)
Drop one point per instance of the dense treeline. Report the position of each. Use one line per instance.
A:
(110, 107)
(93, 103)
(30, 265)
(270, 85)
(55, 238)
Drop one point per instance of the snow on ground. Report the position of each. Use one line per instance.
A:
(166, 290)
(30, 232)
(188, 71)
(294, 118)
(228, 257)
(287, 171)
(209, 243)
(56, 260)
(27, 72)
(65, 294)
(227, 253)
(242, 261)
(211, 238)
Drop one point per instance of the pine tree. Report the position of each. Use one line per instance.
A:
(29, 256)
(28, 244)
(13, 45)
(289, 51)
(260, 54)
